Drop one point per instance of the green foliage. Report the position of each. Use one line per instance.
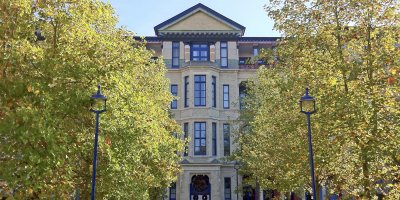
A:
(46, 128)
(348, 53)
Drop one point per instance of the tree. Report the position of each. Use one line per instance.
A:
(54, 53)
(347, 52)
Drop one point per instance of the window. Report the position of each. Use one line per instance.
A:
(227, 188)
(175, 54)
(185, 136)
(174, 91)
(214, 91)
(186, 91)
(242, 94)
(227, 140)
(226, 96)
(214, 139)
(224, 54)
(244, 60)
(200, 52)
(199, 90)
(172, 191)
(255, 51)
(200, 146)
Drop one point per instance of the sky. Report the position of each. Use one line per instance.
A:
(141, 16)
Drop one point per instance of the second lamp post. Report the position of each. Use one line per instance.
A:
(307, 106)
(99, 106)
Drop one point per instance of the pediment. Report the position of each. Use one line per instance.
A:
(199, 18)
(200, 21)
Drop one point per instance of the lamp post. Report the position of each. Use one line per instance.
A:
(307, 106)
(236, 166)
(99, 106)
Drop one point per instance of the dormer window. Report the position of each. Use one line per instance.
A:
(200, 52)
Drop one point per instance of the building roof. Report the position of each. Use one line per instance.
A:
(149, 39)
(258, 39)
(240, 39)
(189, 11)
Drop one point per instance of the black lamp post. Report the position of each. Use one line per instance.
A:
(98, 107)
(236, 166)
(307, 106)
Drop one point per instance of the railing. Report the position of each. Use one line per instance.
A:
(249, 63)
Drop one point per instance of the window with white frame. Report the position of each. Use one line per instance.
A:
(200, 52)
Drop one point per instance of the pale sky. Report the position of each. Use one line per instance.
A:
(141, 16)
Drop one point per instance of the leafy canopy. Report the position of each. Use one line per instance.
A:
(348, 53)
(46, 129)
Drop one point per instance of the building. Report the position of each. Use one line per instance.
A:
(207, 57)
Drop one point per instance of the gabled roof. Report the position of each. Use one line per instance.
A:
(203, 8)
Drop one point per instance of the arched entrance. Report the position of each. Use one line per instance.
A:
(200, 188)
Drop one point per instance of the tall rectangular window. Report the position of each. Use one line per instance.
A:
(224, 54)
(186, 91)
(255, 51)
(200, 52)
(227, 140)
(226, 96)
(242, 94)
(200, 146)
(172, 191)
(175, 54)
(199, 90)
(185, 136)
(174, 91)
(214, 91)
(227, 188)
(214, 139)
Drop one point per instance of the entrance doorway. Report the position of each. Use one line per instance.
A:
(249, 193)
(200, 188)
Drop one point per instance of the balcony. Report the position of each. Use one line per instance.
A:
(250, 63)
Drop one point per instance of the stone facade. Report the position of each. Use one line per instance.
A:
(201, 25)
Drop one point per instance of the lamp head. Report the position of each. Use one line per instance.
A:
(236, 165)
(99, 104)
(307, 103)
